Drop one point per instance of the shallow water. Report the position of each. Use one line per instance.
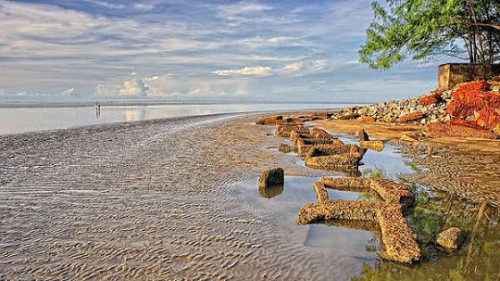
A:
(476, 259)
(348, 248)
(27, 119)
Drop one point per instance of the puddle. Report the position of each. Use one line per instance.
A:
(388, 163)
(345, 240)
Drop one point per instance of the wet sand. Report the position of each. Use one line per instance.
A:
(149, 200)
(468, 169)
(159, 200)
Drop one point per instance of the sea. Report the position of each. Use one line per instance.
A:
(18, 118)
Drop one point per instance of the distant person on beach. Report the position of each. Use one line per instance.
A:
(97, 109)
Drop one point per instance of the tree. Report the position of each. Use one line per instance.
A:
(428, 29)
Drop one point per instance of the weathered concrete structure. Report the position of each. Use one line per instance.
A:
(330, 157)
(451, 74)
(398, 239)
(271, 177)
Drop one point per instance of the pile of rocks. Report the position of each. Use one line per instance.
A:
(474, 105)
(423, 110)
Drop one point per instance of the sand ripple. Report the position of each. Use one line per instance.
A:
(147, 201)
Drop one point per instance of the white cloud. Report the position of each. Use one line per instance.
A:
(246, 71)
(133, 87)
(277, 41)
(243, 8)
(293, 67)
(319, 64)
(68, 92)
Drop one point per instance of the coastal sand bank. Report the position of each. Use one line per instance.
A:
(150, 200)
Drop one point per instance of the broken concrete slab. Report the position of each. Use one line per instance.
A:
(398, 239)
(271, 177)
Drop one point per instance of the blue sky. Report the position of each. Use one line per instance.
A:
(177, 49)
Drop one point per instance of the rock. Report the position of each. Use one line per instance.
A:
(363, 136)
(320, 133)
(367, 119)
(408, 137)
(496, 129)
(305, 144)
(286, 148)
(450, 239)
(269, 120)
(465, 123)
(285, 129)
(439, 130)
(488, 117)
(458, 109)
(271, 177)
(412, 117)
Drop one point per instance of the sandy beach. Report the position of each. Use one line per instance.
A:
(154, 200)
(146, 200)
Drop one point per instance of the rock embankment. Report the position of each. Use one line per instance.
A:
(469, 110)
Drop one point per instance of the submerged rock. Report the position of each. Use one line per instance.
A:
(376, 145)
(271, 177)
(450, 239)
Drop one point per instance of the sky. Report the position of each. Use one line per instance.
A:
(190, 50)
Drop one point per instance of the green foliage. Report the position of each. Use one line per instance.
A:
(423, 29)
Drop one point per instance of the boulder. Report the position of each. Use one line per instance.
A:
(450, 239)
(488, 117)
(269, 120)
(300, 132)
(286, 148)
(458, 109)
(271, 177)
(414, 116)
(428, 99)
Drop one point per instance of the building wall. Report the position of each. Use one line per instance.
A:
(451, 74)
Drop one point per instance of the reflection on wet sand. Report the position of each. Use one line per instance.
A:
(271, 191)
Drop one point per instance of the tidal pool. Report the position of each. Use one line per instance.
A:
(476, 259)
(338, 240)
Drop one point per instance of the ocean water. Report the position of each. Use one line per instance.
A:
(17, 119)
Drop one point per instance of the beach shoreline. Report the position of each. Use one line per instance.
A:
(142, 200)
(151, 200)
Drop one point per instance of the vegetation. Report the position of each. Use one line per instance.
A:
(427, 29)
